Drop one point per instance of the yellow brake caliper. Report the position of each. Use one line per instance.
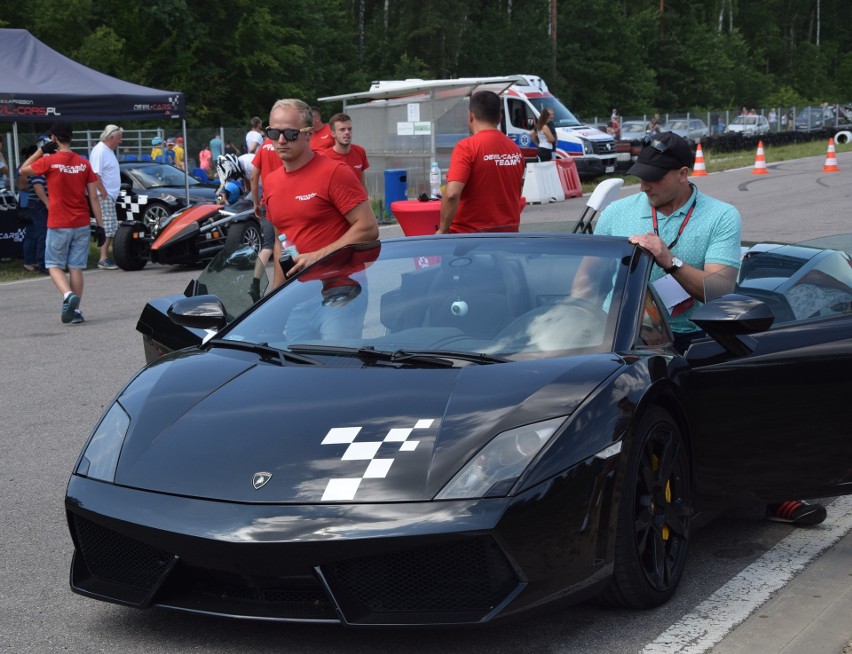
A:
(656, 463)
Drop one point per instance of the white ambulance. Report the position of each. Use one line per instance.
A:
(593, 150)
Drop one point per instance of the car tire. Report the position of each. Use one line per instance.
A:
(153, 214)
(129, 253)
(244, 233)
(654, 515)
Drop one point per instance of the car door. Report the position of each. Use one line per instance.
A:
(774, 424)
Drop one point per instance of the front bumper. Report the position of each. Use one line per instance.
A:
(417, 563)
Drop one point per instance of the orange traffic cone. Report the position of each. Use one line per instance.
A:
(699, 170)
(830, 159)
(759, 161)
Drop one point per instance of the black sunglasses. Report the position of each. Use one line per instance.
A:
(289, 133)
(656, 144)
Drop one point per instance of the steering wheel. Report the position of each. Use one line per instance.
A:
(571, 322)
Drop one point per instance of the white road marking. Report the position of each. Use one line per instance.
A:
(711, 620)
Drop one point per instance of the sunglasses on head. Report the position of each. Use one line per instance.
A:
(656, 144)
(289, 133)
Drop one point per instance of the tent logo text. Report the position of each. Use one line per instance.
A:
(27, 110)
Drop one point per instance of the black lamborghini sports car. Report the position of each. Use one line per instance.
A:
(444, 430)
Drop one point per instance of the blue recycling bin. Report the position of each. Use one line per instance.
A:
(396, 186)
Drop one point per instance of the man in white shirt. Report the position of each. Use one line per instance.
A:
(254, 137)
(105, 164)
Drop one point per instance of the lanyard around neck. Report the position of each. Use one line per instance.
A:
(682, 225)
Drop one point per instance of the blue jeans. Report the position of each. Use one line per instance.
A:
(311, 320)
(35, 235)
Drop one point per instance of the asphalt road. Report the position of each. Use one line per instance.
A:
(56, 380)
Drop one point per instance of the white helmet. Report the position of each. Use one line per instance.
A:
(228, 168)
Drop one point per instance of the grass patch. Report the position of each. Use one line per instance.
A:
(13, 270)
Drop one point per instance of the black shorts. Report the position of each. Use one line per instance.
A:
(267, 235)
(545, 154)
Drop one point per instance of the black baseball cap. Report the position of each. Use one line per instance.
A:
(661, 153)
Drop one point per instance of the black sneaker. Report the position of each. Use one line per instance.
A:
(78, 318)
(69, 304)
(794, 512)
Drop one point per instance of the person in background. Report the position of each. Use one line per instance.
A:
(254, 137)
(37, 202)
(344, 149)
(205, 160)
(156, 148)
(543, 136)
(653, 126)
(216, 148)
(180, 158)
(71, 179)
(169, 153)
(264, 161)
(4, 167)
(105, 164)
(485, 178)
(230, 148)
(322, 138)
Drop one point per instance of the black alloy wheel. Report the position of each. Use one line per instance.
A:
(129, 253)
(654, 518)
(242, 234)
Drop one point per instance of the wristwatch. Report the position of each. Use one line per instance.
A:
(676, 264)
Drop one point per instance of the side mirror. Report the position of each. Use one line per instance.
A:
(530, 123)
(200, 312)
(730, 319)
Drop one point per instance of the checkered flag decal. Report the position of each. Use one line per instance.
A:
(132, 206)
(344, 489)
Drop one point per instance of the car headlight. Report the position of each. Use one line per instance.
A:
(496, 468)
(100, 458)
(588, 146)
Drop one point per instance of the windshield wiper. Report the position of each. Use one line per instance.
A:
(441, 358)
(267, 352)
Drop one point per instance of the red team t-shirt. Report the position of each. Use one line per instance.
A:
(356, 158)
(322, 139)
(266, 160)
(492, 168)
(67, 175)
(309, 204)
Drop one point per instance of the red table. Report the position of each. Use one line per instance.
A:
(417, 218)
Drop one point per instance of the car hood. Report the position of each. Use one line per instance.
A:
(217, 424)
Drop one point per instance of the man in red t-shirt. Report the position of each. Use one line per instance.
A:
(266, 160)
(486, 174)
(321, 139)
(318, 203)
(69, 178)
(344, 149)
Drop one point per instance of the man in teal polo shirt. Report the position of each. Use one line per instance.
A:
(691, 236)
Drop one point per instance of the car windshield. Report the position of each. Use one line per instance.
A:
(158, 175)
(481, 298)
(561, 116)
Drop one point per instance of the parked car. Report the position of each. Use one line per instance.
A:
(749, 125)
(152, 191)
(812, 119)
(632, 130)
(518, 443)
(693, 129)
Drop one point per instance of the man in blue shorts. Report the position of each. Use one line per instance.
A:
(70, 178)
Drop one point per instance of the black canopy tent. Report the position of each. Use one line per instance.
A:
(37, 84)
(40, 85)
